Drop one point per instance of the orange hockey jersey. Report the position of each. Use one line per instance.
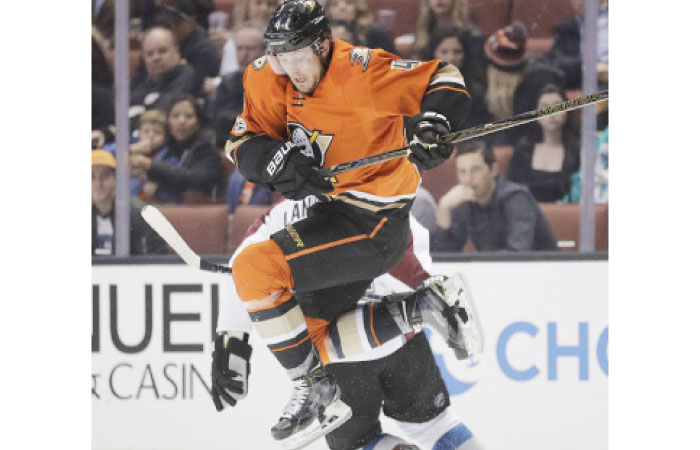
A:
(357, 110)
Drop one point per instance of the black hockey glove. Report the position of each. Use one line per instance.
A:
(422, 132)
(230, 368)
(294, 175)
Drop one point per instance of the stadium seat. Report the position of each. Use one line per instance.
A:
(239, 221)
(490, 15)
(540, 17)
(564, 221)
(203, 227)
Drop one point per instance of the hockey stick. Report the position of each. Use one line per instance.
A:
(469, 133)
(165, 229)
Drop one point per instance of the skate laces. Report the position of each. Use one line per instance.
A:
(301, 388)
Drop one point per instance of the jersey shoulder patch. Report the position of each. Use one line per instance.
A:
(259, 63)
(360, 56)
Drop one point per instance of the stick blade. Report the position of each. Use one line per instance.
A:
(165, 229)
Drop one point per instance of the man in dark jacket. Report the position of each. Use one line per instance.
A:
(167, 75)
(496, 214)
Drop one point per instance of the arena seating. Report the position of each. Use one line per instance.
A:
(203, 227)
(564, 220)
(239, 222)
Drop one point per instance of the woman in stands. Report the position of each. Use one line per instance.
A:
(192, 163)
(434, 13)
(547, 155)
(358, 16)
(451, 44)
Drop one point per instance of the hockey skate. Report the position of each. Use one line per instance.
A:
(447, 307)
(314, 410)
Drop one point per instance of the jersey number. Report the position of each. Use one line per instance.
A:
(404, 64)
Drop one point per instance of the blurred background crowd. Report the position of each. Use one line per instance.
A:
(515, 190)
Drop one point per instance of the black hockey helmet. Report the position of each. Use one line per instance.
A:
(296, 24)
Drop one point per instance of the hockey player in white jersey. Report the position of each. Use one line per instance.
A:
(379, 339)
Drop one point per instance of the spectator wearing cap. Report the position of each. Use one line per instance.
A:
(505, 52)
(143, 240)
(168, 75)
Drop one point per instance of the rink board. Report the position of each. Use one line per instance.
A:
(541, 382)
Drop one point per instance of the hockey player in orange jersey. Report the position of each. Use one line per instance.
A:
(311, 102)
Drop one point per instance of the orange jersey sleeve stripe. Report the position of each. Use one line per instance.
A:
(338, 242)
(464, 91)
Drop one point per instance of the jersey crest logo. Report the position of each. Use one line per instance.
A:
(404, 64)
(314, 144)
(360, 56)
(259, 63)
(240, 126)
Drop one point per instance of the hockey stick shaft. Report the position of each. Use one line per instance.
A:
(471, 133)
(165, 229)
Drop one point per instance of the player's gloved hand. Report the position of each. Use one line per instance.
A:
(422, 133)
(293, 174)
(230, 368)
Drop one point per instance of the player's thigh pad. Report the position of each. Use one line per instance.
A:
(339, 244)
(414, 390)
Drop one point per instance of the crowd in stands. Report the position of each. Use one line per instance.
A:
(188, 57)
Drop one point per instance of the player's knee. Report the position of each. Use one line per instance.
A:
(261, 270)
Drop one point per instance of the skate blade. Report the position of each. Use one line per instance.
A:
(336, 414)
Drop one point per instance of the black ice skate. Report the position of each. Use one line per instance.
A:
(314, 410)
(446, 306)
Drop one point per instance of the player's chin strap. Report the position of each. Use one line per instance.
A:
(470, 133)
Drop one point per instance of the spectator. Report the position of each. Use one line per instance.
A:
(227, 99)
(150, 142)
(143, 240)
(505, 51)
(188, 140)
(600, 171)
(424, 209)
(434, 13)
(566, 49)
(451, 44)
(366, 32)
(344, 30)
(244, 11)
(546, 157)
(195, 46)
(495, 214)
(167, 74)
(102, 104)
(242, 192)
